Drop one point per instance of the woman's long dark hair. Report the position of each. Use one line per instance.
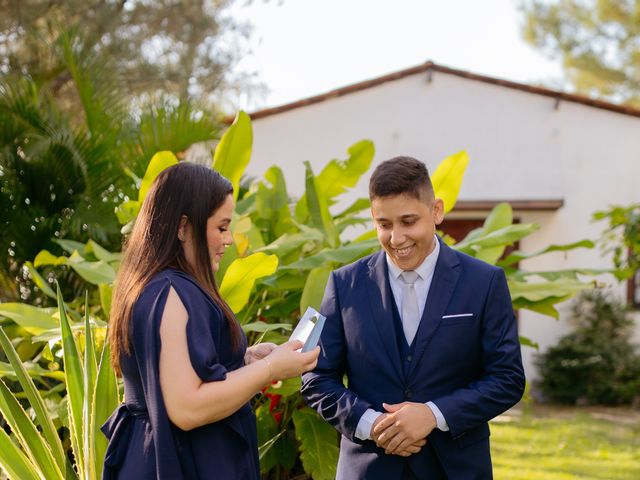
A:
(185, 189)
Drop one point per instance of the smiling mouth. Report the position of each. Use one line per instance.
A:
(403, 252)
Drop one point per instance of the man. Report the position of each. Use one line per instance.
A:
(428, 342)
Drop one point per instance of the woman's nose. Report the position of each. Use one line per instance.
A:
(228, 241)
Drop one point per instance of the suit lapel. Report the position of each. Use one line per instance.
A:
(445, 278)
(380, 298)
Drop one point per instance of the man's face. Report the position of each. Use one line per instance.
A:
(406, 227)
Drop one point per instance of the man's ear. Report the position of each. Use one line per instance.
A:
(182, 229)
(438, 211)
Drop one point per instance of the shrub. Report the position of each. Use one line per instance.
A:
(596, 363)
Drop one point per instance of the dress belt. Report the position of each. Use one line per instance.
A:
(117, 429)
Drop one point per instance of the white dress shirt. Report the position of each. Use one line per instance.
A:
(425, 275)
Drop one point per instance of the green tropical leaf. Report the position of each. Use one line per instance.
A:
(527, 342)
(47, 258)
(28, 435)
(102, 253)
(319, 209)
(535, 292)
(74, 379)
(345, 254)
(234, 151)
(544, 307)
(54, 334)
(339, 175)
(489, 255)
(33, 369)
(503, 236)
(314, 287)
(36, 401)
(168, 127)
(243, 226)
(14, 461)
(241, 275)
(90, 374)
(106, 294)
(515, 257)
(105, 401)
(287, 387)
(318, 444)
(128, 211)
(343, 223)
(268, 435)
(35, 320)
(571, 274)
(356, 207)
(93, 272)
(447, 179)
(284, 280)
(279, 188)
(501, 216)
(272, 204)
(70, 246)
(159, 162)
(263, 327)
(291, 241)
(40, 282)
(369, 235)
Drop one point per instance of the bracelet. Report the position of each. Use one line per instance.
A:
(269, 367)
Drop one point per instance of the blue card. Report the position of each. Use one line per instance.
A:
(309, 329)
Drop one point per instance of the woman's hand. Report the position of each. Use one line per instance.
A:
(258, 352)
(285, 362)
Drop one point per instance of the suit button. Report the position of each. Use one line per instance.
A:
(409, 358)
(408, 394)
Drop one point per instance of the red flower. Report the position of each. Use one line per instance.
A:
(274, 400)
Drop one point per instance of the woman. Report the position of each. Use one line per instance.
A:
(187, 371)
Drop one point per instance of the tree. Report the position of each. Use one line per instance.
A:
(598, 42)
(184, 48)
(62, 170)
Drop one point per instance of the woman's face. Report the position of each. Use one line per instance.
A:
(219, 232)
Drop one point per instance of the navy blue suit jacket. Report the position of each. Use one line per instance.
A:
(469, 366)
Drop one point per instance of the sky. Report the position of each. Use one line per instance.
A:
(302, 48)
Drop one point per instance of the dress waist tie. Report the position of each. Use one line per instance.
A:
(117, 429)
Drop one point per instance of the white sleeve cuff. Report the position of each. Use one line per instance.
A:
(363, 430)
(441, 423)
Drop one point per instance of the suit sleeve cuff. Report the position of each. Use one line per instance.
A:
(441, 423)
(363, 430)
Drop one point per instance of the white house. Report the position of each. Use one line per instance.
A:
(555, 157)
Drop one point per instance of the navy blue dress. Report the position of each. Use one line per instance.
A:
(143, 443)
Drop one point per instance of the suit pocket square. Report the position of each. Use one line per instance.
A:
(458, 315)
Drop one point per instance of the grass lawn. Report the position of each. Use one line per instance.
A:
(559, 443)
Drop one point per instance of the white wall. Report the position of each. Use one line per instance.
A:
(521, 145)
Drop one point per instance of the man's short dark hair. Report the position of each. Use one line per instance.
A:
(401, 175)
